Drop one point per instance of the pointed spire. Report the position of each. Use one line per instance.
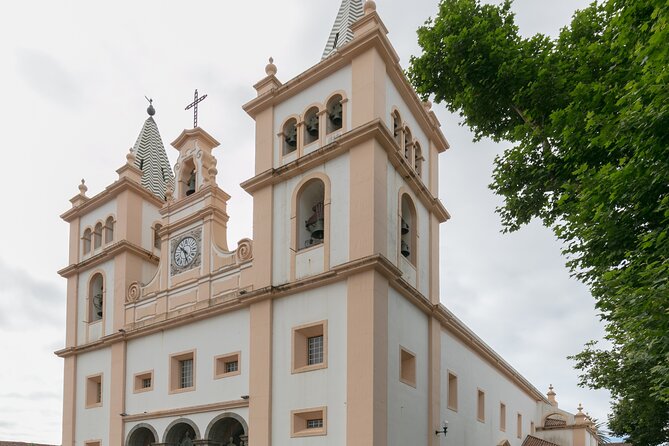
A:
(349, 12)
(151, 158)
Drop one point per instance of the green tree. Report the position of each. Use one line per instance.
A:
(588, 116)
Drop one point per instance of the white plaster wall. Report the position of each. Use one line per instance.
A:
(212, 337)
(323, 387)
(395, 182)
(93, 423)
(394, 99)
(338, 172)
(107, 268)
(201, 420)
(317, 93)
(407, 406)
(473, 373)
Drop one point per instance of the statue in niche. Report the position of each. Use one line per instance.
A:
(186, 441)
(230, 443)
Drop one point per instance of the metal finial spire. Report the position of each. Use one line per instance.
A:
(193, 105)
(150, 110)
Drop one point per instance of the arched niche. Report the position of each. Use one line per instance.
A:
(288, 137)
(396, 123)
(418, 159)
(334, 114)
(142, 435)
(311, 126)
(96, 288)
(181, 432)
(188, 178)
(97, 236)
(87, 240)
(227, 428)
(408, 229)
(109, 230)
(156, 235)
(310, 214)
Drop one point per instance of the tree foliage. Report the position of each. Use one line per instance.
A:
(588, 116)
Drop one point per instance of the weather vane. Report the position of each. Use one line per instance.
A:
(193, 105)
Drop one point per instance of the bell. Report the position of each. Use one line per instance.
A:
(317, 230)
(404, 249)
(404, 226)
(97, 304)
(334, 113)
(191, 184)
(312, 125)
(291, 137)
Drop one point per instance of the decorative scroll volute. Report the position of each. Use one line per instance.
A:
(134, 292)
(244, 250)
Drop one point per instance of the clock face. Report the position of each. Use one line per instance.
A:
(185, 252)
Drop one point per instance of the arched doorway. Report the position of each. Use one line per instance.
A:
(181, 433)
(142, 435)
(227, 430)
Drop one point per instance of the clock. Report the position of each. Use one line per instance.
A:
(185, 252)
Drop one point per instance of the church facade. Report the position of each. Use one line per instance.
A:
(326, 328)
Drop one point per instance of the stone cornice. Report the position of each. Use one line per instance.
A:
(112, 191)
(375, 129)
(215, 407)
(107, 254)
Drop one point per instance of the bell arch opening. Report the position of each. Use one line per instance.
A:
(311, 214)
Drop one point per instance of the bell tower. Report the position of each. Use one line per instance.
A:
(345, 199)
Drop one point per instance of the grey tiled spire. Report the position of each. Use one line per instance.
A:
(151, 158)
(349, 12)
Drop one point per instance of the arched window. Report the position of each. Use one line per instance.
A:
(156, 235)
(289, 136)
(96, 298)
(87, 240)
(311, 126)
(335, 114)
(397, 127)
(109, 230)
(310, 214)
(418, 159)
(97, 236)
(407, 144)
(408, 230)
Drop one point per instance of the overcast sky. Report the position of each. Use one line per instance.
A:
(74, 75)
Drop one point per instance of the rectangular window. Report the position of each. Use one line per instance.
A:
(94, 391)
(480, 405)
(143, 382)
(93, 443)
(407, 367)
(452, 391)
(227, 365)
(502, 417)
(182, 372)
(315, 423)
(310, 347)
(519, 426)
(186, 372)
(308, 422)
(315, 350)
